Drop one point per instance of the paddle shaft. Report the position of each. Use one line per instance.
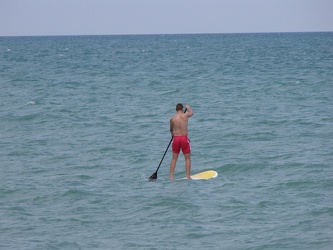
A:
(164, 154)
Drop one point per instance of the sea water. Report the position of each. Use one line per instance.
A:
(84, 122)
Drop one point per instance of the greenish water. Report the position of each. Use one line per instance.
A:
(85, 121)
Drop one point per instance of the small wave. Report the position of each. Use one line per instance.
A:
(31, 103)
(76, 193)
(169, 92)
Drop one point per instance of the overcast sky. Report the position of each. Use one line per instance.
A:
(107, 17)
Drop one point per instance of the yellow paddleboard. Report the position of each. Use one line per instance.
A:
(205, 175)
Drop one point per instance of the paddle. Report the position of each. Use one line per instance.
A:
(154, 175)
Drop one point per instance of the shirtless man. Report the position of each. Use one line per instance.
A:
(178, 130)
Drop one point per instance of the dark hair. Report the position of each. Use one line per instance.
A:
(179, 106)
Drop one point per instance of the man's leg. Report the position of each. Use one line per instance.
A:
(188, 165)
(173, 165)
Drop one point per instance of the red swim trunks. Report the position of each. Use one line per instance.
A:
(181, 142)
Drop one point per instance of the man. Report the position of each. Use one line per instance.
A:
(178, 130)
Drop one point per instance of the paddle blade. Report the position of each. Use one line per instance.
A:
(153, 177)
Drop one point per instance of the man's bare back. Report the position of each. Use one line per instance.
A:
(179, 122)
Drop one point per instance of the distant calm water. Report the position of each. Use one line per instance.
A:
(84, 122)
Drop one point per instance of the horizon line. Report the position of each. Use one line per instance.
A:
(168, 34)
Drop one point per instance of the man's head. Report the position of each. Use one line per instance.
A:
(179, 107)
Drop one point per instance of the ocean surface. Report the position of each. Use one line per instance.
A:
(84, 122)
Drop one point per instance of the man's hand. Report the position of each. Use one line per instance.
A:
(189, 110)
